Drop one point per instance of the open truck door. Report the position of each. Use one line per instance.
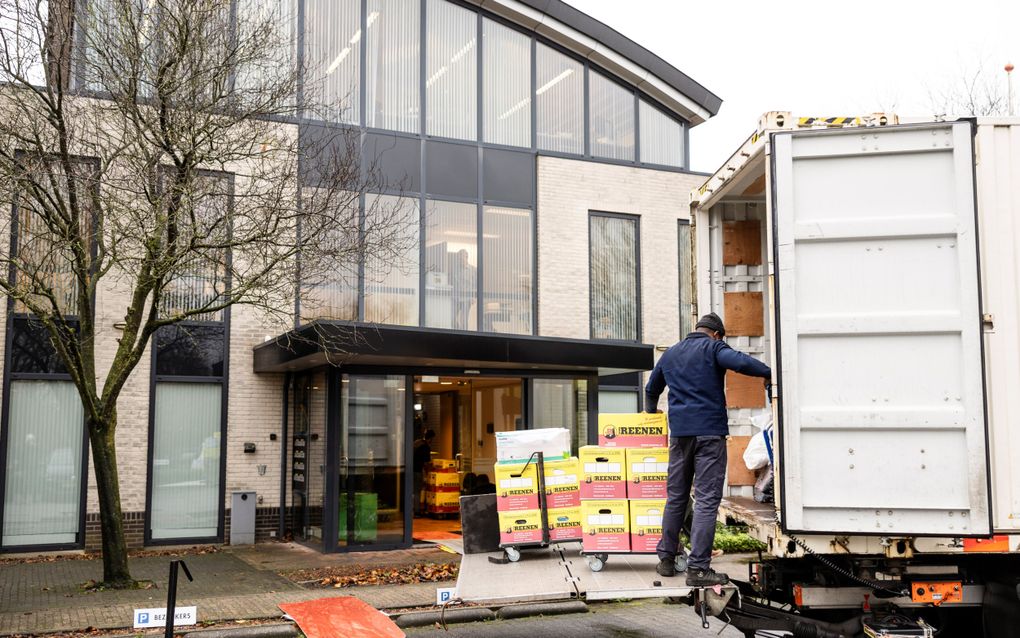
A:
(878, 332)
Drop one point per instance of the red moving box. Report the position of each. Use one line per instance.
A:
(565, 524)
(603, 472)
(605, 525)
(562, 481)
(647, 470)
(633, 430)
(516, 493)
(520, 528)
(646, 524)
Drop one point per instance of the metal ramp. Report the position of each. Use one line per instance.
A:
(559, 572)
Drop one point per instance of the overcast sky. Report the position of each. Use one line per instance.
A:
(816, 58)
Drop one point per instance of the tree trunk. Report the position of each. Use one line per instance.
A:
(104, 459)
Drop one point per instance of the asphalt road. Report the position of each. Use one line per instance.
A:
(650, 618)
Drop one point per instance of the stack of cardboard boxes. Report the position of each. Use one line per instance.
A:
(517, 496)
(623, 484)
(442, 487)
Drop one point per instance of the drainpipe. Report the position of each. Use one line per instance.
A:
(282, 528)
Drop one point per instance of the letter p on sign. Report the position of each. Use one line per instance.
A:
(445, 594)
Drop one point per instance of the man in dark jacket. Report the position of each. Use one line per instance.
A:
(694, 370)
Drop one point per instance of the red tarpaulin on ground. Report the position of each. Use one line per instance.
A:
(343, 616)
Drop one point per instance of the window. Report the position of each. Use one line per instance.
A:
(267, 30)
(190, 350)
(451, 76)
(612, 119)
(333, 57)
(562, 403)
(42, 495)
(186, 457)
(391, 274)
(559, 101)
(507, 85)
(329, 289)
(615, 302)
(393, 65)
(662, 137)
(507, 270)
(686, 277)
(451, 266)
(618, 402)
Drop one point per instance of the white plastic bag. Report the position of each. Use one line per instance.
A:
(757, 454)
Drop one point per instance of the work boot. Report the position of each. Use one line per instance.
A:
(705, 577)
(666, 567)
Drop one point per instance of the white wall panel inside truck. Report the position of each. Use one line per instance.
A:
(880, 363)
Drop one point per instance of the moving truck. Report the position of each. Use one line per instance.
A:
(875, 265)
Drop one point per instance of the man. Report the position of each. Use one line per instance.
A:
(694, 371)
(422, 456)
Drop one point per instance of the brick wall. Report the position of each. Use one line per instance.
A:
(567, 191)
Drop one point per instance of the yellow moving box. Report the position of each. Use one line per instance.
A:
(606, 526)
(563, 483)
(516, 493)
(518, 528)
(646, 524)
(633, 430)
(603, 472)
(565, 524)
(647, 469)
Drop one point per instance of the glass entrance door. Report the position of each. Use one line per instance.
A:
(372, 444)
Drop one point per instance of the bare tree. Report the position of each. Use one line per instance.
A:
(974, 91)
(156, 162)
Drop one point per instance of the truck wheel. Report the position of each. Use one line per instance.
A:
(512, 554)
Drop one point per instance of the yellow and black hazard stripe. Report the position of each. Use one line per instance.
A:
(829, 121)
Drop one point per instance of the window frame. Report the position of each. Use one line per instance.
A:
(637, 274)
(685, 318)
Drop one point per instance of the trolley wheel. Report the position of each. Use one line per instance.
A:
(597, 561)
(681, 563)
(512, 554)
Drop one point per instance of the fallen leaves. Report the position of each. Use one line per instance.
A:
(416, 573)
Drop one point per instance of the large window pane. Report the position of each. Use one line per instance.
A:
(451, 78)
(507, 85)
(562, 403)
(391, 271)
(42, 496)
(686, 277)
(393, 65)
(333, 46)
(451, 263)
(268, 35)
(662, 137)
(329, 289)
(612, 119)
(507, 249)
(190, 350)
(618, 401)
(371, 504)
(614, 278)
(186, 460)
(559, 101)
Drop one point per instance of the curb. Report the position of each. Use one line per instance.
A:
(256, 631)
(428, 618)
(542, 609)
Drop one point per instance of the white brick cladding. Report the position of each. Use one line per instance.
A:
(567, 191)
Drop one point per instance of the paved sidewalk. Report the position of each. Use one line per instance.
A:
(233, 584)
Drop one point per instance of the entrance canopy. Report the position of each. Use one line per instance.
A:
(339, 342)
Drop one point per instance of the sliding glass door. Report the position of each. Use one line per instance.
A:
(372, 447)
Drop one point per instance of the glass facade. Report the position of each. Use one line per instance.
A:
(618, 402)
(562, 403)
(506, 89)
(42, 495)
(392, 65)
(614, 277)
(612, 118)
(391, 276)
(661, 137)
(507, 270)
(559, 101)
(186, 456)
(333, 59)
(451, 76)
(451, 265)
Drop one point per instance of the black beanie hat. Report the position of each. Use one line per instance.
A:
(713, 323)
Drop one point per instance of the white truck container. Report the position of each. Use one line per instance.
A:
(888, 261)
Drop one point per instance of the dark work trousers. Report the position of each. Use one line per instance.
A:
(700, 460)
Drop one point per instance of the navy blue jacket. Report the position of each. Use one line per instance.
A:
(694, 371)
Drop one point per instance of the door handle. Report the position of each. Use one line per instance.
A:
(344, 466)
